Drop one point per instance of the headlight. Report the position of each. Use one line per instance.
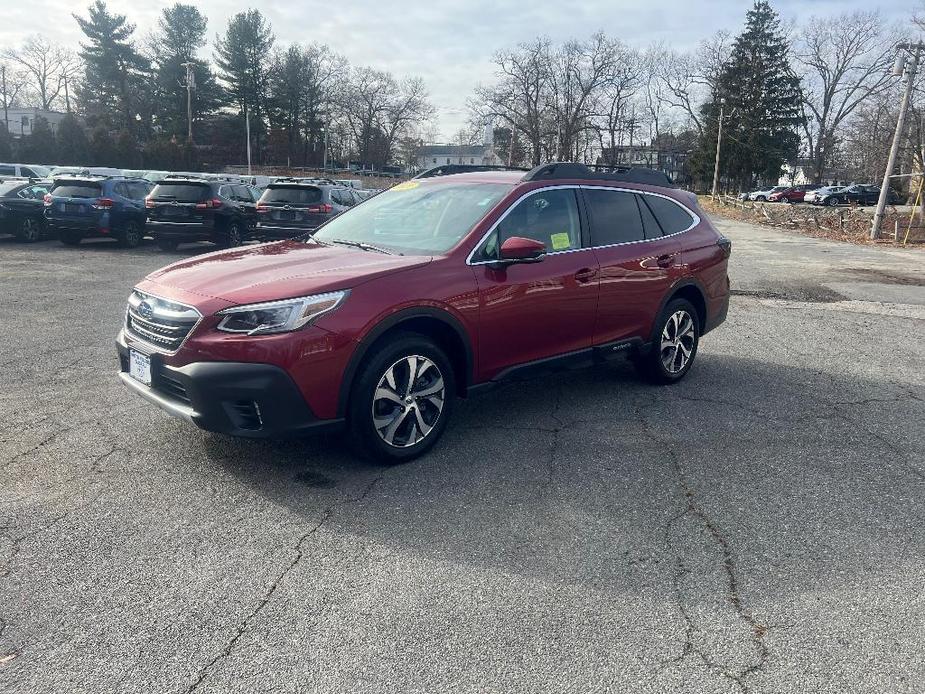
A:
(278, 316)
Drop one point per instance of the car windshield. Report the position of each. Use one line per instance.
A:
(415, 217)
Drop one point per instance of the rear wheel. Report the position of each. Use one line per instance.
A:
(71, 238)
(831, 202)
(131, 235)
(232, 236)
(401, 399)
(674, 346)
(30, 230)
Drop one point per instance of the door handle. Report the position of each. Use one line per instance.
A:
(665, 261)
(586, 274)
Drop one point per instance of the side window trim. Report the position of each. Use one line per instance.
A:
(694, 216)
(579, 202)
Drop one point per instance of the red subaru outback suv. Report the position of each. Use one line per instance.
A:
(437, 288)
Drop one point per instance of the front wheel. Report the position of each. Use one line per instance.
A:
(674, 346)
(401, 400)
(30, 230)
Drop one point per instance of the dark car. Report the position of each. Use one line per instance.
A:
(290, 208)
(856, 195)
(793, 194)
(22, 209)
(436, 288)
(186, 210)
(77, 207)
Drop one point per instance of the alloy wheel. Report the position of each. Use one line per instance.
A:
(408, 401)
(29, 229)
(677, 343)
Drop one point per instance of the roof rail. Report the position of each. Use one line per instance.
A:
(187, 177)
(562, 170)
(450, 169)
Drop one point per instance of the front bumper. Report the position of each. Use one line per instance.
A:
(237, 398)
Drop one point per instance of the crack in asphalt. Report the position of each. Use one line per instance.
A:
(298, 549)
(733, 594)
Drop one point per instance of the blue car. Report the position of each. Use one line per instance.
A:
(108, 206)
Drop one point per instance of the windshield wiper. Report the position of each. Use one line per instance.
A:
(365, 246)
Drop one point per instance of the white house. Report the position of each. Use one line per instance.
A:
(430, 156)
(19, 121)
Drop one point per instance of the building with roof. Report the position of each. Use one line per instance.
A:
(430, 156)
(19, 121)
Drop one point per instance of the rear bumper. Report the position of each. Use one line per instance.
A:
(181, 230)
(241, 399)
(90, 225)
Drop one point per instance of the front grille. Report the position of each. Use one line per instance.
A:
(161, 323)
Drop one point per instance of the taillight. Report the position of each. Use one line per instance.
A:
(149, 203)
(725, 246)
(103, 204)
(324, 208)
(47, 199)
(209, 204)
(263, 207)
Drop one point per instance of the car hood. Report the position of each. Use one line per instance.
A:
(279, 271)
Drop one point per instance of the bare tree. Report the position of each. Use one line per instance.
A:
(578, 73)
(686, 80)
(47, 66)
(615, 98)
(520, 97)
(845, 61)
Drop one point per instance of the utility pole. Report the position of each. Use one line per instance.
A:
(190, 86)
(719, 141)
(6, 114)
(247, 126)
(901, 66)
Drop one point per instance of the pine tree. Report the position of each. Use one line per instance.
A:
(243, 56)
(181, 34)
(762, 105)
(113, 87)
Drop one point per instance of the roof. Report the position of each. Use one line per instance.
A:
(453, 150)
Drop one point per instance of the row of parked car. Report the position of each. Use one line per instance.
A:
(854, 194)
(180, 208)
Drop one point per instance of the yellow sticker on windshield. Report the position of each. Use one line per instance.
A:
(560, 241)
(407, 185)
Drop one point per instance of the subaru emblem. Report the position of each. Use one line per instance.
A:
(145, 310)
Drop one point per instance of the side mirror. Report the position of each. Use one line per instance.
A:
(518, 249)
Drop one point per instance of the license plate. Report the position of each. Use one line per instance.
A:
(74, 209)
(139, 367)
(172, 211)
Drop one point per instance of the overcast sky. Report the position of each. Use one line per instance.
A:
(447, 42)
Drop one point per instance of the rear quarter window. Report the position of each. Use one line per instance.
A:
(77, 190)
(671, 216)
(182, 192)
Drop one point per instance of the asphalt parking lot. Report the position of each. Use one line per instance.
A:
(759, 527)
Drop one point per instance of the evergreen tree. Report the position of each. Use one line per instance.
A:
(6, 145)
(39, 146)
(113, 87)
(73, 146)
(181, 34)
(243, 56)
(762, 105)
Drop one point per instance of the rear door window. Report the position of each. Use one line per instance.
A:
(77, 190)
(670, 215)
(181, 192)
(292, 195)
(615, 217)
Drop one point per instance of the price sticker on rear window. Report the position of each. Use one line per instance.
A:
(560, 241)
(407, 185)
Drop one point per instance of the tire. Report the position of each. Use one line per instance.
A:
(131, 235)
(831, 202)
(761, 198)
(71, 238)
(231, 238)
(678, 315)
(385, 422)
(168, 245)
(29, 230)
